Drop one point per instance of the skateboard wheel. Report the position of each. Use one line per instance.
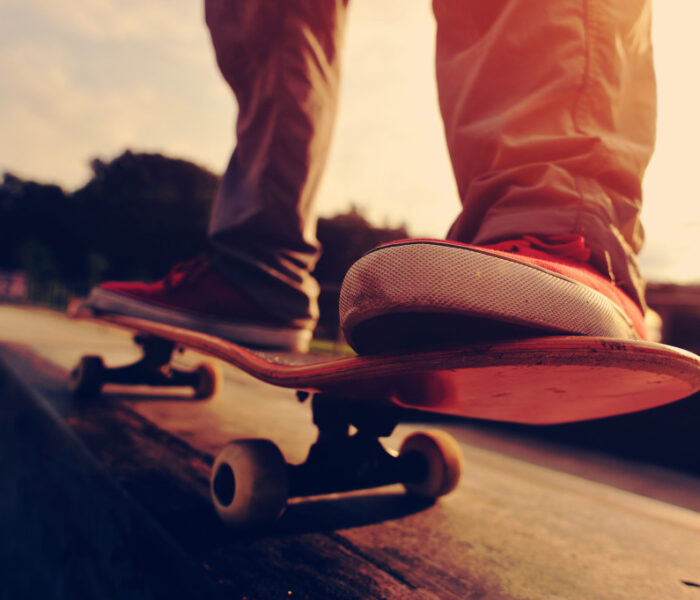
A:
(443, 463)
(86, 378)
(210, 380)
(249, 483)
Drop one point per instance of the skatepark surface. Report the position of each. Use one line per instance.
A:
(109, 498)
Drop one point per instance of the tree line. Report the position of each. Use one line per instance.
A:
(137, 216)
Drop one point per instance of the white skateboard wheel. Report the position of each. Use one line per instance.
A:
(249, 483)
(444, 463)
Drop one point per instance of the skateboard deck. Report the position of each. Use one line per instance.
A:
(359, 399)
(542, 380)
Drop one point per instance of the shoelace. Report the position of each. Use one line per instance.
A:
(186, 271)
(568, 246)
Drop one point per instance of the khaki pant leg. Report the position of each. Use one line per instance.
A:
(281, 59)
(549, 109)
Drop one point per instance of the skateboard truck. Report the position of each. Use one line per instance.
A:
(152, 369)
(341, 460)
(251, 481)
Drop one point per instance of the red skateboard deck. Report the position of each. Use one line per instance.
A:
(543, 380)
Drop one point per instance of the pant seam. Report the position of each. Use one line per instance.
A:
(578, 102)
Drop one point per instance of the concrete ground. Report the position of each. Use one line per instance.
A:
(109, 498)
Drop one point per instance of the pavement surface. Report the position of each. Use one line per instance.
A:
(109, 498)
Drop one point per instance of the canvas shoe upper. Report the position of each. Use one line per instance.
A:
(417, 292)
(194, 295)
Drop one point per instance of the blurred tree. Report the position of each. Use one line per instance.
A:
(137, 216)
(37, 260)
(144, 212)
(97, 267)
(34, 215)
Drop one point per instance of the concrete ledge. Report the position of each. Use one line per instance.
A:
(67, 530)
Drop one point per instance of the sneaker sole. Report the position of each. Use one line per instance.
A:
(258, 336)
(442, 278)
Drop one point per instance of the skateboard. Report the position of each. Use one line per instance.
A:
(357, 400)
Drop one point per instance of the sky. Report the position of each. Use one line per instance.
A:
(90, 78)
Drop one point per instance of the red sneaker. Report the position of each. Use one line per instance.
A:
(417, 292)
(196, 296)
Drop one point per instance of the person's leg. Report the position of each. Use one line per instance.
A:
(549, 112)
(282, 62)
(549, 109)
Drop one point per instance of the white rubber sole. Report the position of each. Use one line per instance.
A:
(435, 277)
(258, 336)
